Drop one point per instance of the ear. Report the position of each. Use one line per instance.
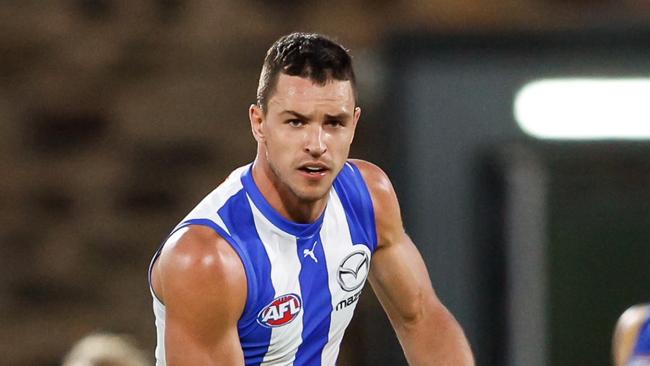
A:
(355, 119)
(256, 117)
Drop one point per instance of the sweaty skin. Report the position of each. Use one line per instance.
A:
(305, 126)
(303, 142)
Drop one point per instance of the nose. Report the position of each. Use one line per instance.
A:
(315, 143)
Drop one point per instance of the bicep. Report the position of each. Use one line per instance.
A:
(195, 342)
(429, 334)
(398, 274)
(401, 282)
(204, 290)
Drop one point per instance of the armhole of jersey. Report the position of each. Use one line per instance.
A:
(251, 288)
(642, 338)
(364, 200)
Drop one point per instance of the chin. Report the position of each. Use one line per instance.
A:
(312, 195)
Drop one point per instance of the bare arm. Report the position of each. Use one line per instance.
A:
(428, 333)
(202, 283)
(627, 331)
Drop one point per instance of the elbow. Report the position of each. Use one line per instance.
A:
(423, 311)
(413, 313)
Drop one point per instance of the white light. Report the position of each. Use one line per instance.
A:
(585, 108)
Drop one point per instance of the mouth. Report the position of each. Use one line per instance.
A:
(314, 169)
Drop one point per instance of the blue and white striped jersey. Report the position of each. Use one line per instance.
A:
(304, 280)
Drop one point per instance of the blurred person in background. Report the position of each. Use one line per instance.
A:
(105, 349)
(631, 342)
(268, 268)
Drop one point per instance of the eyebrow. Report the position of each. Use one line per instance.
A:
(341, 115)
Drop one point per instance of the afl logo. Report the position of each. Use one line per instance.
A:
(282, 310)
(353, 269)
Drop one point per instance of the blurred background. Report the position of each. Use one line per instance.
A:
(117, 117)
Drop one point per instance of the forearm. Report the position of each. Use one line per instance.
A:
(434, 338)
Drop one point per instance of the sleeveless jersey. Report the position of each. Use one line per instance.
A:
(641, 353)
(303, 280)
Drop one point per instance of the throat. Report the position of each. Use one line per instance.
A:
(288, 203)
(295, 208)
(304, 213)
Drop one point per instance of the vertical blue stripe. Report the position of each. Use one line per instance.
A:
(642, 346)
(237, 216)
(317, 302)
(357, 203)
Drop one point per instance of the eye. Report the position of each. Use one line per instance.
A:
(295, 122)
(335, 122)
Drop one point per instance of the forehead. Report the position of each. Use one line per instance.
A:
(295, 92)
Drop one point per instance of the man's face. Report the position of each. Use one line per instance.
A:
(305, 135)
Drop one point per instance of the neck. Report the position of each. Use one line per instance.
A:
(282, 198)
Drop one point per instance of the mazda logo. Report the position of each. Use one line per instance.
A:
(353, 270)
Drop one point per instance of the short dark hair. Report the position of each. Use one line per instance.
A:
(307, 55)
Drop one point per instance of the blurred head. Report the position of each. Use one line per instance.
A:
(102, 349)
(305, 116)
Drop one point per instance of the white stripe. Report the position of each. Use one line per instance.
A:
(208, 207)
(159, 312)
(281, 249)
(337, 243)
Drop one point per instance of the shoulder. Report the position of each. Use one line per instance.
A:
(196, 261)
(377, 181)
(633, 317)
(375, 177)
(384, 199)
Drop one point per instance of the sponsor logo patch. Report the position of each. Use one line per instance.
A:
(347, 302)
(353, 270)
(282, 310)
